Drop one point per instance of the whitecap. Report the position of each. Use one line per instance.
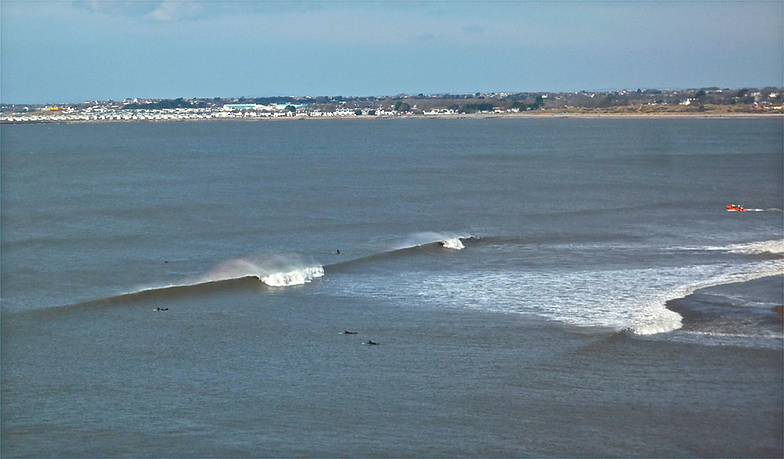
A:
(453, 243)
(754, 248)
(296, 277)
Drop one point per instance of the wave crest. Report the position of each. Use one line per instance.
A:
(296, 277)
(775, 246)
(276, 272)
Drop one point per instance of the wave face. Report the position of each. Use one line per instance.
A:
(291, 270)
(406, 246)
(284, 270)
(274, 271)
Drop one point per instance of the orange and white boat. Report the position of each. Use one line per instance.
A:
(735, 208)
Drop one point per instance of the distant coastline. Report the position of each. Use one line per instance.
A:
(706, 102)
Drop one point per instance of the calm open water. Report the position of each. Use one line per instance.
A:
(516, 273)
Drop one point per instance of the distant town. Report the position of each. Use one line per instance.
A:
(703, 101)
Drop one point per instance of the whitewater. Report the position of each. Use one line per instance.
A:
(619, 299)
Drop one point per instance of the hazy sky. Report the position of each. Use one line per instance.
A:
(71, 51)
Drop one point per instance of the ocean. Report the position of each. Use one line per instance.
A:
(536, 287)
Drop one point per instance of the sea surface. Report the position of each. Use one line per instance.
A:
(536, 287)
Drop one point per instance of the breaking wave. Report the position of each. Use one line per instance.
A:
(446, 240)
(285, 270)
(275, 272)
(775, 247)
(454, 244)
(296, 277)
(630, 299)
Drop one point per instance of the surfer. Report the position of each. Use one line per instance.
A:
(371, 343)
(346, 332)
(161, 309)
(337, 252)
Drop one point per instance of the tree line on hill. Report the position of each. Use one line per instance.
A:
(166, 104)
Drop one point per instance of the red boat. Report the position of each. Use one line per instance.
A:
(735, 208)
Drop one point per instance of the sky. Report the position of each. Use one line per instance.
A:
(60, 51)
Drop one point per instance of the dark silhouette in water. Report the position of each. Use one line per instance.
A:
(346, 332)
(161, 309)
(337, 252)
(371, 343)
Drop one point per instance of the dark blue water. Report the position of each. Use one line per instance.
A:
(515, 272)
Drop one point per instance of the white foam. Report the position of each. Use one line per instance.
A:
(775, 246)
(296, 277)
(454, 244)
(667, 320)
(623, 299)
(754, 248)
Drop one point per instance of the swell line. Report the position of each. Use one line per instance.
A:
(457, 243)
(171, 290)
(161, 293)
(242, 273)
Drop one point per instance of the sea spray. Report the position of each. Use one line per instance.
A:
(275, 271)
